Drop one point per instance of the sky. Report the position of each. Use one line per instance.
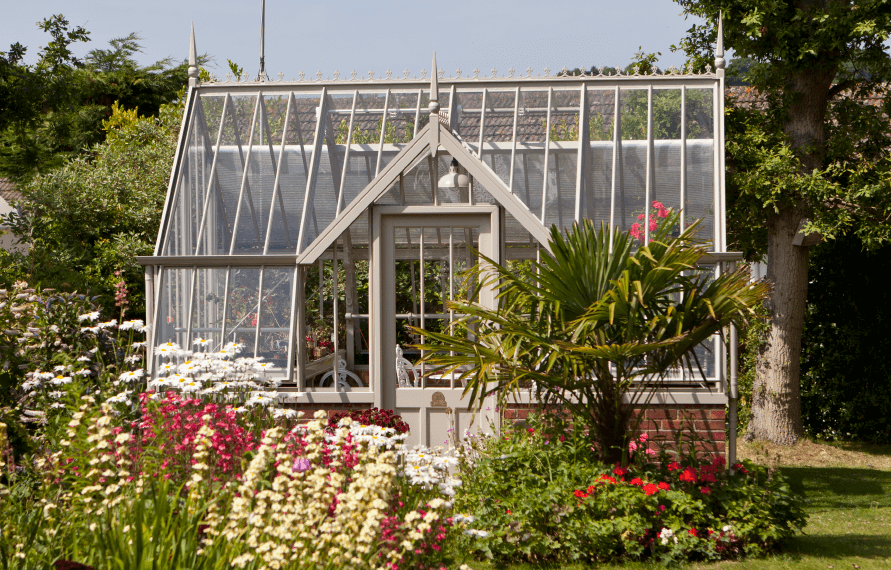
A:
(369, 35)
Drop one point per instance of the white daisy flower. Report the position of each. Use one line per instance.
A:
(89, 316)
(135, 324)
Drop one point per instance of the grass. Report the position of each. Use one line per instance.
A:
(848, 489)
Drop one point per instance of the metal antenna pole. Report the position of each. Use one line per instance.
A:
(262, 39)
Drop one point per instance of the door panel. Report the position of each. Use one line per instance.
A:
(419, 267)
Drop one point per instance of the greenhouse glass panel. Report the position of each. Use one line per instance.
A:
(274, 230)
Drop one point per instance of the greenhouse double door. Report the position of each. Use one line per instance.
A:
(420, 264)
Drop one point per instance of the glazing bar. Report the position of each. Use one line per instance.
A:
(417, 113)
(321, 288)
(423, 310)
(275, 185)
(259, 310)
(246, 182)
(717, 185)
(276, 165)
(225, 309)
(583, 153)
(346, 158)
(300, 137)
(649, 185)
(295, 351)
(513, 148)
(451, 294)
(483, 124)
(335, 307)
(559, 190)
(213, 169)
(314, 167)
(380, 150)
(192, 288)
(244, 175)
(544, 190)
(683, 212)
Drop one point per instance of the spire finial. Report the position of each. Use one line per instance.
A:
(193, 60)
(719, 49)
(434, 89)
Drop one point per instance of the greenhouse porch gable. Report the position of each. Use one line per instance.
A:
(317, 221)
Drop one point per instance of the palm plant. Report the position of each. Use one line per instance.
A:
(595, 326)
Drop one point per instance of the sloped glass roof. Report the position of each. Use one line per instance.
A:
(265, 168)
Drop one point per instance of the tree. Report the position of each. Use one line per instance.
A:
(812, 158)
(593, 324)
(55, 108)
(86, 220)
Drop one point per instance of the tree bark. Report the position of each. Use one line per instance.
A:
(776, 394)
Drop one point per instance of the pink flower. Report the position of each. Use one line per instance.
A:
(651, 452)
(663, 213)
(632, 447)
(640, 216)
(658, 205)
(643, 438)
(653, 225)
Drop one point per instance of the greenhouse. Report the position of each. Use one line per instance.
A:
(325, 222)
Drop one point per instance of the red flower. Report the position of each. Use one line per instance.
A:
(637, 481)
(739, 467)
(705, 490)
(620, 471)
(508, 512)
(689, 474)
(707, 477)
(718, 462)
(650, 489)
(606, 478)
(531, 431)
(664, 486)
(661, 508)
(674, 466)
(580, 494)
(693, 532)
(591, 490)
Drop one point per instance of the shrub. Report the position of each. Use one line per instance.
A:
(596, 326)
(372, 416)
(539, 494)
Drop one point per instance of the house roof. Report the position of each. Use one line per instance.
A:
(8, 191)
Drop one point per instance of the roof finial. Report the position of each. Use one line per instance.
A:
(719, 50)
(434, 89)
(193, 60)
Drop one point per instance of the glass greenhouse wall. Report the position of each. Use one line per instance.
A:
(307, 220)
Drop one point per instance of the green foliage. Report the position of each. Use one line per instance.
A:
(845, 383)
(840, 177)
(751, 339)
(540, 494)
(54, 109)
(88, 219)
(595, 326)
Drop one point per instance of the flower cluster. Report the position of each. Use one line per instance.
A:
(219, 375)
(660, 212)
(331, 501)
(171, 428)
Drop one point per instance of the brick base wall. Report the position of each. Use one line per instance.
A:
(697, 425)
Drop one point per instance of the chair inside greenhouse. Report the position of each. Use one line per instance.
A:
(325, 223)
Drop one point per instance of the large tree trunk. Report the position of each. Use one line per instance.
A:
(776, 395)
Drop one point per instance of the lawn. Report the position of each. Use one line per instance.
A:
(848, 489)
